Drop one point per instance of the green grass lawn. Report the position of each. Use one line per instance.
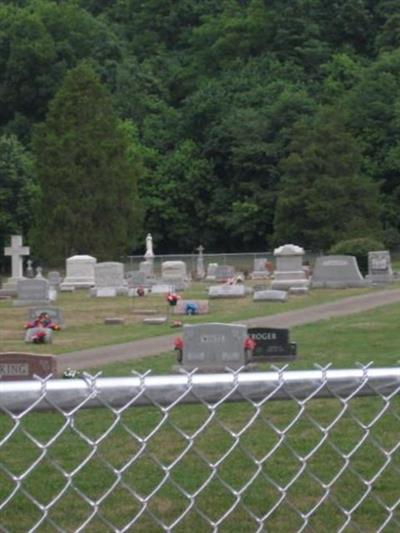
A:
(85, 316)
(131, 460)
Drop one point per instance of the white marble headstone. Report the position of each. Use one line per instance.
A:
(79, 272)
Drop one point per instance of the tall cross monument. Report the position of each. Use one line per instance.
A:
(17, 252)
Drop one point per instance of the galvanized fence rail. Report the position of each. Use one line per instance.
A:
(202, 452)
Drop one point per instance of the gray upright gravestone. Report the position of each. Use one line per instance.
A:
(32, 292)
(379, 267)
(213, 347)
(336, 272)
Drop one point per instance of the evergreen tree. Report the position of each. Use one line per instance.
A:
(17, 189)
(88, 181)
(323, 197)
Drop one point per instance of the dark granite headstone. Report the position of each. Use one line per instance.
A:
(18, 366)
(272, 344)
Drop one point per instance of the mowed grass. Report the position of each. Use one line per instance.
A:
(198, 465)
(84, 317)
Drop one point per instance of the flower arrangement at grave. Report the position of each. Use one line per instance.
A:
(43, 321)
(249, 345)
(191, 308)
(178, 346)
(172, 298)
(39, 337)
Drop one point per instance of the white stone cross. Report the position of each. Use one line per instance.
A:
(16, 251)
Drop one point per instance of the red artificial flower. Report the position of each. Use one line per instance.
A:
(249, 344)
(178, 344)
(39, 337)
(172, 298)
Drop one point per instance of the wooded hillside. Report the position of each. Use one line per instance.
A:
(244, 124)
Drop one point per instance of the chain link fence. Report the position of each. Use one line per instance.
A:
(202, 452)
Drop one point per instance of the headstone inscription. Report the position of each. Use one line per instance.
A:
(379, 267)
(15, 366)
(16, 251)
(336, 272)
(227, 291)
(214, 346)
(54, 313)
(32, 292)
(272, 344)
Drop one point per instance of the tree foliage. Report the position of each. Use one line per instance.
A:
(223, 105)
(87, 174)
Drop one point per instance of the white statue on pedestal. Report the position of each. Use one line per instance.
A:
(149, 247)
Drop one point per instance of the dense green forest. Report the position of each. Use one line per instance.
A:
(238, 124)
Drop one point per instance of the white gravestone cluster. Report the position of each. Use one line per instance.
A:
(289, 270)
(79, 273)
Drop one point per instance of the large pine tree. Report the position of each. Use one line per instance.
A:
(89, 200)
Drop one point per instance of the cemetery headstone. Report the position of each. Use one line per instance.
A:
(54, 279)
(16, 251)
(224, 273)
(211, 269)
(29, 269)
(272, 344)
(380, 267)
(32, 292)
(260, 270)
(174, 272)
(213, 347)
(227, 291)
(54, 313)
(270, 295)
(79, 272)
(15, 366)
(155, 321)
(162, 288)
(109, 279)
(289, 270)
(336, 272)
